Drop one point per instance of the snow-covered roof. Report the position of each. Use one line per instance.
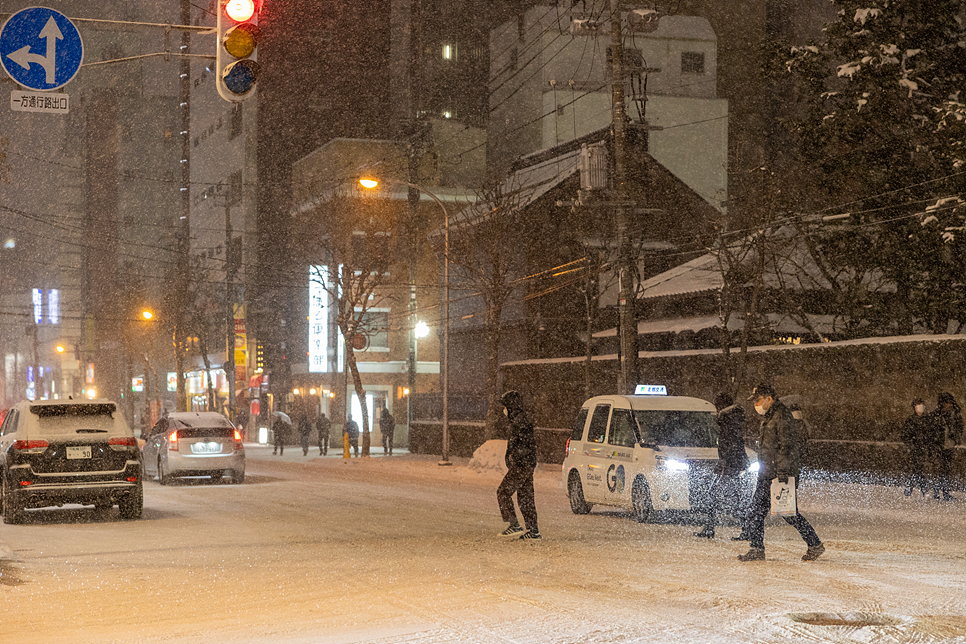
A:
(780, 323)
(902, 339)
(792, 267)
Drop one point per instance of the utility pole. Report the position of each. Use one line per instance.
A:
(627, 378)
(229, 315)
(184, 241)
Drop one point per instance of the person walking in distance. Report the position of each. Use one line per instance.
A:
(779, 458)
(351, 430)
(521, 460)
(915, 435)
(948, 432)
(725, 492)
(387, 426)
(305, 428)
(322, 426)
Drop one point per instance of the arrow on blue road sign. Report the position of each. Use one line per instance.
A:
(38, 29)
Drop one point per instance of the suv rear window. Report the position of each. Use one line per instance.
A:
(677, 428)
(80, 409)
(206, 432)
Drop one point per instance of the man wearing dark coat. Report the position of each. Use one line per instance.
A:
(915, 434)
(351, 429)
(322, 426)
(779, 457)
(725, 493)
(387, 427)
(947, 433)
(521, 460)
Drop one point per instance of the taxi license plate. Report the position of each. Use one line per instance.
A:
(79, 452)
(206, 448)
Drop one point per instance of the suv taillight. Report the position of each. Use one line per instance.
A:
(31, 447)
(121, 443)
(173, 441)
(568, 447)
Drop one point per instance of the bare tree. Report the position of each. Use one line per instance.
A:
(350, 243)
(486, 250)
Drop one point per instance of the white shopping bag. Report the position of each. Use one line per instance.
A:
(783, 502)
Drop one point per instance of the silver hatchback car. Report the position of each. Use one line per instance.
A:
(193, 443)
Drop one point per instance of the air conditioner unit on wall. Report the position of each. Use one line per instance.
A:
(643, 20)
(593, 166)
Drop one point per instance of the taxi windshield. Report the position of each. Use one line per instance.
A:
(675, 428)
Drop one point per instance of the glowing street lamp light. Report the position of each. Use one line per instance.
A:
(421, 329)
(147, 314)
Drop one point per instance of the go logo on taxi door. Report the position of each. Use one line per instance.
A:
(615, 478)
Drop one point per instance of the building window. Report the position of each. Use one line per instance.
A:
(375, 325)
(692, 62)
(449, 52)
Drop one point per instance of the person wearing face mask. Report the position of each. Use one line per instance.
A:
(521, 460)
(779, 457)
(915, 435)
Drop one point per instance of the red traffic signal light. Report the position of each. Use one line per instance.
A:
(238, 35)
(240, 10)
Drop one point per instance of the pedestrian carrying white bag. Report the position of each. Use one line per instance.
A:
(783, 501)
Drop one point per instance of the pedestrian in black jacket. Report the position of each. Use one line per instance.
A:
(947, 422)
(521, 460)
(779, 457)
(915, 434)
(725, 492)
(322, 427)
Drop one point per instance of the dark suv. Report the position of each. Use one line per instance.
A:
(64, 451)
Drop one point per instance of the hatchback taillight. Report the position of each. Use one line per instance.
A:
(173, 441)
(31, 447)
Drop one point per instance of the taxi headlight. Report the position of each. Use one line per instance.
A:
(754, 467)
(673, 465)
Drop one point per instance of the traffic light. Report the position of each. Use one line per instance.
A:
(238, 35)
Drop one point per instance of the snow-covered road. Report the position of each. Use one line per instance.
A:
(313, 550)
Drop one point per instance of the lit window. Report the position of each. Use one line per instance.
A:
(38, 300)
(449, 52)
(53, 306)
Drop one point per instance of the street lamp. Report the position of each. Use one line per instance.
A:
(372, 183)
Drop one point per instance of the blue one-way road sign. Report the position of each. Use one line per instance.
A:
(40, 48)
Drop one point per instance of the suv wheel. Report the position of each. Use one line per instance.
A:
(132, 505)
(575, 491)
(12, 512)
(238, 477)
(641, 499)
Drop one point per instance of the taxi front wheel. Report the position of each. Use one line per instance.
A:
(641, 499)
(576, 493)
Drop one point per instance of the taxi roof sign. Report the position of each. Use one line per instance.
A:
(650, 390)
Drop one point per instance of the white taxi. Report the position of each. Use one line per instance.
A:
(645, 452)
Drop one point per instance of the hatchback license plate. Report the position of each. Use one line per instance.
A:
(206, 448)
(79, 452)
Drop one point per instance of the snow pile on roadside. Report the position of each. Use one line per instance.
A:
(489, 457)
